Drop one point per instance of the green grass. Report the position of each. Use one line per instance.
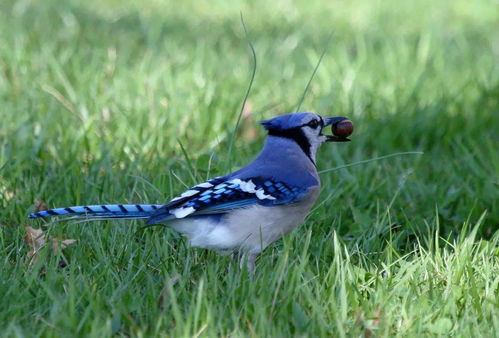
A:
(98, 99)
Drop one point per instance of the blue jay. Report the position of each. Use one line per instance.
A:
(247, 210)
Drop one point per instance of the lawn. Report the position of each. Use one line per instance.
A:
(132, 102)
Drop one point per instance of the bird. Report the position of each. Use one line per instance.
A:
(243, 212)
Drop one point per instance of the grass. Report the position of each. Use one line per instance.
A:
(99, 98)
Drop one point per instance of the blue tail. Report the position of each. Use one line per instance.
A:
(130, 211)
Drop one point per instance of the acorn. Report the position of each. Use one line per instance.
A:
(342, 129)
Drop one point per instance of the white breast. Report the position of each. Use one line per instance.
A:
(249, 229)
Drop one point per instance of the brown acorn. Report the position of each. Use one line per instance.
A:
(343, 128)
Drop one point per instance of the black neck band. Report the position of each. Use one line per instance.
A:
(297, 135)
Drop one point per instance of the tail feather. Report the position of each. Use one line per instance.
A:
(130, 211)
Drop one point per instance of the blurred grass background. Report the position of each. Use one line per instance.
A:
(98, 98)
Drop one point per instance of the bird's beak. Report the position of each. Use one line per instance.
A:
(332, 121)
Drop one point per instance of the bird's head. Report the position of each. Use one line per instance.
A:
(306, 130)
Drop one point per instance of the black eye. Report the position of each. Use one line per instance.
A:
(313, 124)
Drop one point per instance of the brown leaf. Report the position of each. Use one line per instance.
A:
(37, 239)
(374, 324)
(40, 205)
(63, 243)
(376, 318)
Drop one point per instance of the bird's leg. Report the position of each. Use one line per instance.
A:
(234, 255)
(250, 262)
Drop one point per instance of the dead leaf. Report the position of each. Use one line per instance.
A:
(37, 239)
(374, 324)
(63, 243)
(376, 318)
(40, 205)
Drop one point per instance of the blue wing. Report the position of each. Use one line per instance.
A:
(223, 194)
